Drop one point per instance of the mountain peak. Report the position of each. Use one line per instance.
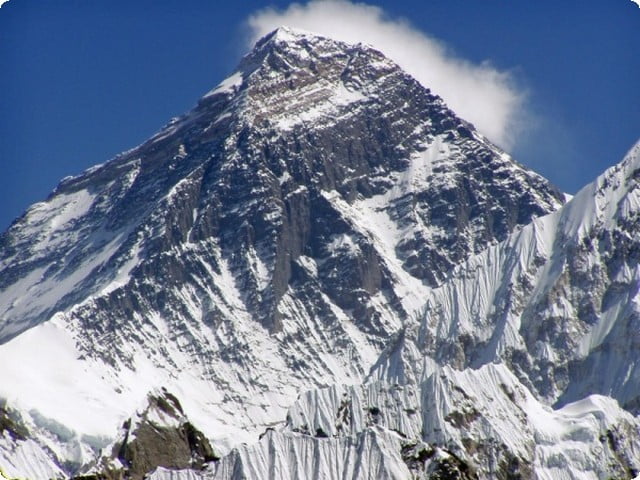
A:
(270, 240)
(292, 76)
(286, 34)
(291, 36)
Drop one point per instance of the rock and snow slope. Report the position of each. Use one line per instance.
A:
(473, 424)
(450, 397)
(557, 302)
(320, 218)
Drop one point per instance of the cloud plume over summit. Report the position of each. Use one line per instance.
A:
(480, 93)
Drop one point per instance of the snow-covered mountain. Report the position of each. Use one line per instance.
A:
(320, 222)
(557, 302)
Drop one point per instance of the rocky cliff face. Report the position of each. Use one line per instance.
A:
(319, 218)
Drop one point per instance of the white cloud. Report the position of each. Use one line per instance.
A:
(479, 93)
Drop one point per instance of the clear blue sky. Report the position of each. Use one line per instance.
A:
(83, 80)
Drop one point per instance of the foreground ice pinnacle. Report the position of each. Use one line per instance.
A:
(319, 219)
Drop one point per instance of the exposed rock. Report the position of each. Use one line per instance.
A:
(11, 424)
(158, 436)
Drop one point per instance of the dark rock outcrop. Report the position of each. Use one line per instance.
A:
(159, 436)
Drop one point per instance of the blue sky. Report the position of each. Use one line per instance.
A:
(81, 81)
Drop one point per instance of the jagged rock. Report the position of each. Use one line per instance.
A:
(10, 425)
(158, 436)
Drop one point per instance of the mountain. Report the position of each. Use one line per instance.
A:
(471, 388)
(320, 222)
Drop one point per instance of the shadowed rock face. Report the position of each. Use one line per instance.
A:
(153, 446)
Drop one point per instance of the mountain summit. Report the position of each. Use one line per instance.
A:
(295, 230)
